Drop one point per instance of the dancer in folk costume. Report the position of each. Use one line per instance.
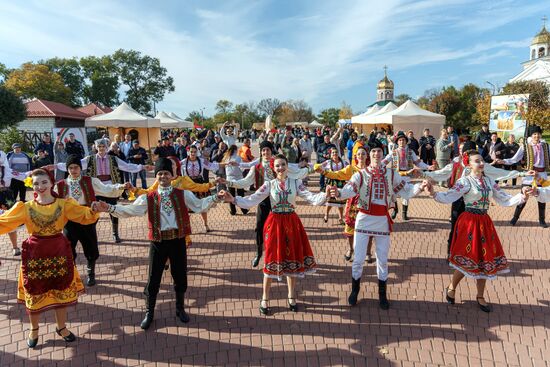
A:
(476, 251)
(7, 197)
(261, 170)
(334, 164)
(536, 153)
(360, 161)
(48, 278)
(376, 185)
(194, 167)
(459, 168)
(403, 161)
(287, 249)
(167, 209)
(84, 190)
(107, 168)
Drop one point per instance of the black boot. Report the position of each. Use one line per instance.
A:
(517, 213)
(114, 223)
(542, 212)
(404, 214)
(256, 260)
(90, 269)
(355, 286)
(180, 311)
(395, 211)
(149, 314)
(383, 299)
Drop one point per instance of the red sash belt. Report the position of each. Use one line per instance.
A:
(539, 169)
(104, 178)
(379, 211)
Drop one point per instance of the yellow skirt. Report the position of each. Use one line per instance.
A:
(52, 298)
(348, 231)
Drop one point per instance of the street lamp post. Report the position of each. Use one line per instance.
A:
(494, 87)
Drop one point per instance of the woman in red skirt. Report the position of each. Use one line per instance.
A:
(287, 249)
(48, 278)
(476, 251)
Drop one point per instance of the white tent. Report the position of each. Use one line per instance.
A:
(362, 118)
(184, 124)
(167, 122)
(314, 123)
(343, 122)
(387, 108)
(124, 119)
(122, 116)
(409, 116)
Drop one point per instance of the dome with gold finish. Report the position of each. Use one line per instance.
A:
(385, 83)
(543, 37)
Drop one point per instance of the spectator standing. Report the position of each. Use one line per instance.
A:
(60, 156)
(444, 148)
(125, 147)
(453, 136)
(47, 146)
(413, 144)
(21, 162)
(427, 147)
(229, 134)
(164, 150)
(291, 149)
(483, 139)
(495, 150)
(74, 147)
(350, 143)
(138, 155)
(306, 146)
(511, 149)
(181, 151)
(41, 159)
(323, 154)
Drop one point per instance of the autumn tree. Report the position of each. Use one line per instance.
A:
(401, 98)
(71, 72)
(38, 81)
(12, 109)
(268, 106)
(345, 111)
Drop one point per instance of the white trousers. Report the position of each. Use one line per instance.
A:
(382, 246)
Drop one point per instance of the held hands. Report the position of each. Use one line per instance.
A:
(529, 191)
(332, 191)
(149, 167)
(226, 196)
(128, 186)
(427, 186)
(531, 173)
(220, 181)
(100, 206)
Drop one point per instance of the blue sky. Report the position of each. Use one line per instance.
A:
(324, 52)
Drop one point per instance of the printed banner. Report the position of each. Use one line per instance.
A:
(79, 134)
(508, 115)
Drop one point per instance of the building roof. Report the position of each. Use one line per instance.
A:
(543, 37)
(93, 109)
(43, 108)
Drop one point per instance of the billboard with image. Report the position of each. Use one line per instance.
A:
(508, 115)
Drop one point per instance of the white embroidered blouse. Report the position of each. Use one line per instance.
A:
(282, 196)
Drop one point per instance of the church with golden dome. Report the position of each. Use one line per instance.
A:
(384, 90)
(537, 67)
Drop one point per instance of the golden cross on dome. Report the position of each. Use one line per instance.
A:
(385, 69)
(544, 19)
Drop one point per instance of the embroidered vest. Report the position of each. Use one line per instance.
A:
(530, 156)
(456, 174)
(180, 211)
(91, 170)
(365, 188)
(85, 185)
(260, 173)
(200, 168)
(396, 164)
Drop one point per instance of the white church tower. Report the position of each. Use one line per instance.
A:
(537, 67)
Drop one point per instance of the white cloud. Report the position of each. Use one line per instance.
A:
(241, 52)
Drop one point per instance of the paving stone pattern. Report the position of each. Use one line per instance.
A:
(226, 328)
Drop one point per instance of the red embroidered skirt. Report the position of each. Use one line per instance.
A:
(476, 250)
(287, 249)
(350, 213)
(48, 276)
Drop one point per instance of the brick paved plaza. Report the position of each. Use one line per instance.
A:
(224, 291)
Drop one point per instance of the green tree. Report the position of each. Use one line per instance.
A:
(145, 79)
(194, 116)
(401, 98)
(38, 81)
(10, 136)
(224, 106)
(12, 109)
(71, 72)
(101, 79)
(4, 72)
(329, 116)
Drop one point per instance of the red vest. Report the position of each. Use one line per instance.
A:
(259, 173)
(456, 173)
(85, 185)
(180, 210)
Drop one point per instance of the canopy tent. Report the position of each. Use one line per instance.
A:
(167, 122)
(409, 116)
(315, 123)
(361, 118)
(125, 118)
(344, 122)
(297, 123)
(184, 124)
(364, 123)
